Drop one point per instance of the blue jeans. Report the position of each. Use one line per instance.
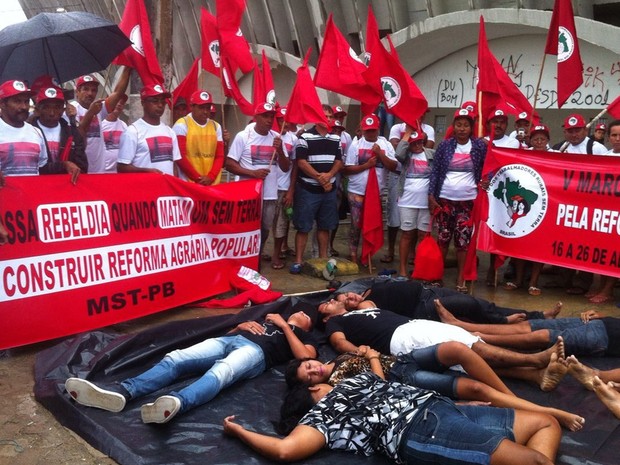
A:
(309, 206)
(455, 434)
(222, 361)
(579, 338)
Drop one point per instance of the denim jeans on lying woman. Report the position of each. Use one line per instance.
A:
(222, 361)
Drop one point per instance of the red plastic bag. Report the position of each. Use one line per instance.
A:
(428, 263)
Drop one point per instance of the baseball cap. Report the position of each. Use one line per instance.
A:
(469, 105)
(574, 121)
(281, 113)
(154, 91)
(338, 110)
(86, 79)
(370, 122)
(13, 87)
(540, 128)
(49, 93)
(601, 126)
(180, 101)
(498, 113)
(200, 97)
(264, 107)
(44, 81)
(523, 115)
(464, 113)
(416, 136)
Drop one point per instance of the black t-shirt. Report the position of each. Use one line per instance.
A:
(400, 297)
(274, 344)
(372, 327)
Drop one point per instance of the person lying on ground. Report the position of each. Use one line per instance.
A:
(390, 333)
(368, 415)
(245, 352)
(604, 383)
(413, 299)
(592, 334)
(428, 368)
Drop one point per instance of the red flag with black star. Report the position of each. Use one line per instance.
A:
(372, 219)
(141, 55)
(563, 42)
(228, 14)
(210, 43)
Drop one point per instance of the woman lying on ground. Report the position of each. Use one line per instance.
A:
(368, 415)
(604, 383)
(428, 369)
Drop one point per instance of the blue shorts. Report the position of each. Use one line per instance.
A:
(455, 434)
(422, 369)
(308, 207)
(579, 338)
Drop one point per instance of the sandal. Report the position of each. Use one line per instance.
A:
(462, 289)
(599, 299)
(277, 265)
(533, 290)
(387, 259)
(510, 286)
(295, 268)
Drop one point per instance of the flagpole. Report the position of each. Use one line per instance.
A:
(480, 128)
(542, 67)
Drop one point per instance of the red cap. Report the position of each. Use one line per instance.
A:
(601, 126)
(154, 91)
(338, 110)
(540, 128)
(281, 113)
(86, 79)
(574, 121)
(265, 107)
(200, 97)
(44, 81)
(469, 105)
(49, 93)
(338, 125)
(11, 88)
(523, 115)
(416, 135)
(499, 112)
(370, 122)
(464, 113)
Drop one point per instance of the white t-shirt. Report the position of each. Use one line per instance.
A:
(52, 136)
(345, 141)
(112, 132)
(397, 131)
(507, 142)
(415, 193)
(460, 183)
(95, 146)
(290, 140)
(146, 146)
(611, 152)
(22, 150)
(254, 151)
(597, 148)
(358, 154)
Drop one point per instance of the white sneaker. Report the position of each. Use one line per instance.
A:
(86, 393)
(161, 411)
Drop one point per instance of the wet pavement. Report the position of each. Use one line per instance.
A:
(29, 435)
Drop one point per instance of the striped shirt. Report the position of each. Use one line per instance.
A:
(321, 152)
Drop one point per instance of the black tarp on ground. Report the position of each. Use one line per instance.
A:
(196, 437)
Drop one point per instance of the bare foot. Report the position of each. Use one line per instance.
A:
(607, 394)
(557, 348)
(582, 373)
(444, 314)
(554, 373)
(515, 318)
(568, 420)
(554, 312)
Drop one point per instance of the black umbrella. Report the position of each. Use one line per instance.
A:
(61, 45)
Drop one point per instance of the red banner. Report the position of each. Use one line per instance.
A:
(98, 253)
(554, 208)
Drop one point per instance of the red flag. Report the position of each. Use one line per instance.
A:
(402, 96)
(614, 108)
(372, 219)
(304, 106)
(562, 41)
(340, 70)
(141, 55)
(263, 83)
(210, 43)
(495, 85)
(187, 86)
(232, 43)
(231, 88)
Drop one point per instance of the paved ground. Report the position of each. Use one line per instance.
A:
(29, 435)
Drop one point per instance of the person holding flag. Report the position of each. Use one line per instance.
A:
(368, 156)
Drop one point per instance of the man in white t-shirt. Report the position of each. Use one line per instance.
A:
(22, 147)
(253, 154)
(91, 111)
(112, 128)
(576, 134)
(148, 145)
(498, 123)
